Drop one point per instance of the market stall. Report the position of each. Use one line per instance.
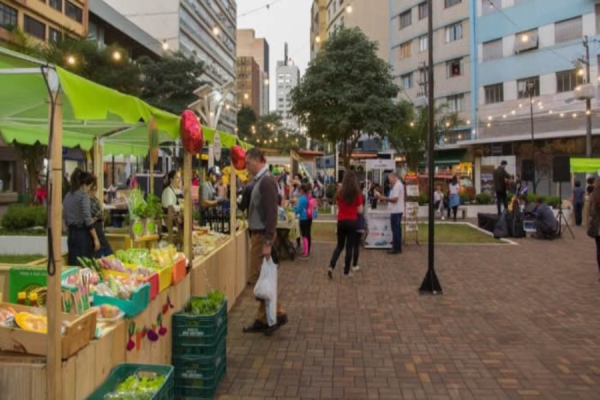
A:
(378, 220)
(48, 360)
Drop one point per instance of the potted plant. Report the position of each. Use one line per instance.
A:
(154, 214)
(137, 213)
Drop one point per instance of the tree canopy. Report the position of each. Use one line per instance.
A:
(246, 118)
(347, 90)
(268, 131)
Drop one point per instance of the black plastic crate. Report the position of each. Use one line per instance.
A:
(186, 325)
(203, 346)
(199, 389)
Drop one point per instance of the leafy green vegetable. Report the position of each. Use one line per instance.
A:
(206, 306)
(136, 388)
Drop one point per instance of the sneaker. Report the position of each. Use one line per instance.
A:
(356, 268)
(330, 273)
(348, 275)
(303, 257)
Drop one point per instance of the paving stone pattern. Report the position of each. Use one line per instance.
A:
(515, 322)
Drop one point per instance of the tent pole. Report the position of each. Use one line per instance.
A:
(232, 199)
(188, 206)
(98, 169)
(53, 307)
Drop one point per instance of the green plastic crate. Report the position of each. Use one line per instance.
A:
(183, 392)
(206, 346)
(123, 371)
(189, 325)
(194, 367)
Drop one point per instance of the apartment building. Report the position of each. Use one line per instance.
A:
(205, 29)
(248, 45)
(318, 26)
(45, 20)
(452, 59)
(249, 84)
(371, 16)
(288, 77)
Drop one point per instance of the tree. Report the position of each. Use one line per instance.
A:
(347, 91)
(33, 157)
(169, 83)
(411, 130)
(246, 118)
(268, 131)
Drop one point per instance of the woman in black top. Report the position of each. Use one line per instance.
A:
(82, 239)
(98, 216)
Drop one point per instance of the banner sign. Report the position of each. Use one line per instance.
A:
(381, 164)
(380, 231)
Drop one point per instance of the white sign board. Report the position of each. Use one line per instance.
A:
(412, 190)
(217, 146)
(380, 230)
(411, 217)
(381, 164)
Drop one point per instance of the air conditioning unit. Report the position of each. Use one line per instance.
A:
(584, 92)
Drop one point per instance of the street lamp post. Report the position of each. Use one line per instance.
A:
(530, 89)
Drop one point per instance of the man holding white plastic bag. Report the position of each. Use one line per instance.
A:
(262, 223)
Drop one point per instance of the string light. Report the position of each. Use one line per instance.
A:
(588, 112)
(116, 55)
(71, 60)
(165, 45)
(574, 115)
(216, 31)
(318, 39)
(349, 9)
(412, 124)
(562, 115)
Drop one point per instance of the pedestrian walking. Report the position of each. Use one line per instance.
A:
(577, 200)
(501, 180)
(262, 224)
(361, 231)
(304, 213)
(454, 198)
(395, 202)
(350, 204)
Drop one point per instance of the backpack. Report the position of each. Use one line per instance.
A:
(312, 209)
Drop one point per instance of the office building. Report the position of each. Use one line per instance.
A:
(249, 84)
(288, 77)
(248, 45)
(318, 26)
(452, 60)
(201, 29)
(45, 20)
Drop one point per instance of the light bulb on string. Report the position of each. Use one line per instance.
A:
(116, 55)
(71, 60)
(513, 112)
(588, 112)
(574, 115)
(488, 124)
(504, 116)
(349, 9)
(520, 105)
(165, 45)
(562, 115)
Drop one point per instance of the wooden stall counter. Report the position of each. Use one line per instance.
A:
(124, 241)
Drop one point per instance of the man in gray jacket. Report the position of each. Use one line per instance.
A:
(262, 223)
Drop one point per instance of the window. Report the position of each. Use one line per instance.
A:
(407, 81)
(487, 7)
(494, 93)
(423, 11)
(454, 32)
(405, 19)
(423, 44)
(454, 68)
(8, 16)
(492, 50)
(450, 3)
(35, 28)
(56, 4)
(405, 50)
(528, 86)
(567, 81)
(54, 35)
(526, 41)
(73, 12)
(456, 103)
(570, 29)
(423, 76)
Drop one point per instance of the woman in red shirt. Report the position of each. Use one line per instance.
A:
(350, 204)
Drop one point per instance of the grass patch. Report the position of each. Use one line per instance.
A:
(444, 233)
(19, 258)
(22, 232)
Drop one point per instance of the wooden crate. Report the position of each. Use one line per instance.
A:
(78, 333)
(123, 241)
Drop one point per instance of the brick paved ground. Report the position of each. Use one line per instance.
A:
(515, 322)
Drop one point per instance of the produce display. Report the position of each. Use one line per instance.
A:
(31, 322)
(119, 287)
(108, 312)
(205, 241)
(206, 306)
(117, 265)
(7, 316)
(137, 388)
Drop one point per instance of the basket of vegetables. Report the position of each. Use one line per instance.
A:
(137, 381)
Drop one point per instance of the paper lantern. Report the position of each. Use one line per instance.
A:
(238, 157)
(191, 132)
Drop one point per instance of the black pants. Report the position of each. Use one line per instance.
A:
(578, 209)
(501, 198)
(346, 236)
(79, 244)
(305, 227)
(598, 251)
(356, 249)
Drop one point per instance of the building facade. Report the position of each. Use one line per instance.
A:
(204, 30)
(248, 45)
(452, 59)
(45, 20)
(288, 77)
(370, 16)
(249, 84)
(530, 65)
(318, 26)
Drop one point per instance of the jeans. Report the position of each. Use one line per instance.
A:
(578, 209)
(396, 222)
(346, 236)
(501, 198)
(356, 249)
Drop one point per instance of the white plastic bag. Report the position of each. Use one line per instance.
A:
(266, 289)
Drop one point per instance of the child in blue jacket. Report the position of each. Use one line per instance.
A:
(305, 217)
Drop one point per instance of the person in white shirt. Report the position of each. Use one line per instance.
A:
(396, 207)
(172, 191)
(438, 200)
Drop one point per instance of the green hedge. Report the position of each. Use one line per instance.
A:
(21, 217)
(483, 198)
(554, 201)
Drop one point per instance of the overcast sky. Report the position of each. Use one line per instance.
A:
(286, 21)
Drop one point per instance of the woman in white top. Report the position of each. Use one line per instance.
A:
(172, 191)
(454, 198)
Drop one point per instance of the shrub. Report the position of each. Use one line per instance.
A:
(422, 199)
(553, 201)
(331, 190)
(17, 218)
(483, 198)
(464, 198)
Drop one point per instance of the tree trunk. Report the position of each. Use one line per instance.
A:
(32, 156)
